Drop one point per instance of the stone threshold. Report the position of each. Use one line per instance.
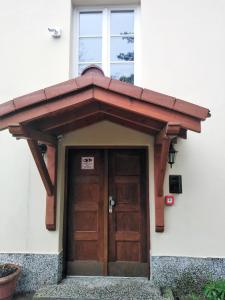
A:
(86, 288)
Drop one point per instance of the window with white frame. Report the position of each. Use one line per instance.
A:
(106, 37)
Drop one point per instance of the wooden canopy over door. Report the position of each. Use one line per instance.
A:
(45, 115)
(105, 239)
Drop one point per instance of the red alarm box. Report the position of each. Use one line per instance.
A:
(169, 200)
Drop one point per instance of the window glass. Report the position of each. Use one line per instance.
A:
(111, 48)
(90, 39)
(90, 24)
(123, 72)
(122, 45)
(90, 50)
(122, 48)
(122, 22)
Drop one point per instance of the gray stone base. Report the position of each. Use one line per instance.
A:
(186, 274)
(37, 269)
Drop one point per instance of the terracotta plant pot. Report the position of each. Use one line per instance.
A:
(8, 283)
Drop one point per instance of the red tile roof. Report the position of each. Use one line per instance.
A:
(94, 77)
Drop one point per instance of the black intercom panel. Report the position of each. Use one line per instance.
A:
(175, 184)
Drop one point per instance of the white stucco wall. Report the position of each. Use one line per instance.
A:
(30, 59)
(184, 56)
(183, 50)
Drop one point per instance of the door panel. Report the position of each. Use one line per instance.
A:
(95, 234)
(127, 222)
(85, 213)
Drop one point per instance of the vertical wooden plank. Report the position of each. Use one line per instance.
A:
(65, 215)
(162, 164)
(111, 192)
(105, 214)
(148, 210)
(159, 200)
(50, 218)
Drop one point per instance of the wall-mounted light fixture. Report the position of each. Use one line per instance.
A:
(55, 31)
(43, 148)
(172, 154)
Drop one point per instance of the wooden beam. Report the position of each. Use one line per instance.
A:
(147, 109)
(50, 218)
(164, 151)
(48, 174)
(61, 119)
(159, 201)
(23, 132)
(80, 123)
(40, 163)
(161, 151)
(54, 124)
(173, 129)
(48, 108)
(129, 124)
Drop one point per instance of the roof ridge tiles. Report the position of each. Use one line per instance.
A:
(101, 81)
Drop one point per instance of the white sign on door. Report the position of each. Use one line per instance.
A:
(87, 163)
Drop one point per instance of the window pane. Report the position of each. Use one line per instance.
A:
(122, 48)
(122, 22)
(123, 72)
(83, 66)
(90, 24)
(90, 49)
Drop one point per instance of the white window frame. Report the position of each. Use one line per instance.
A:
(106, 10)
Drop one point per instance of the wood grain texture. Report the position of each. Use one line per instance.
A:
(50, 217)
(161, 150)
(23, 132)
(85, 210)
(40, 163)
(97, 238)
(127, 223)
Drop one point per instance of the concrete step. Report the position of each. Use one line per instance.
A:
(87, 288)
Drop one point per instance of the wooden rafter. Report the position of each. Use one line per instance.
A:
(117, 118)
(145, 109)
(23, 132)
(161, 151)
(53, 124)
(58, 120)
(80, 123)
(129, 124)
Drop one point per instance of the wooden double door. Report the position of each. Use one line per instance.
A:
(107, 212)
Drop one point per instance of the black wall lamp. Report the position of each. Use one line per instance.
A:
(43, 148)
(172, 154)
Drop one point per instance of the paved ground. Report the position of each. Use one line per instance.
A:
(87, 288)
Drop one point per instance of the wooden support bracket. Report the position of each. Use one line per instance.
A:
(23, 132)
(40, 163)
(48, 173)
(161, 151)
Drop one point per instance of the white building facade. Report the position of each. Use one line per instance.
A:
(175, 48)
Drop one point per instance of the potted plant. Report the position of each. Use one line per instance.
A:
(9, 274)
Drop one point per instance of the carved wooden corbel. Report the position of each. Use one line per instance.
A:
(47, 172)
(161, 151)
